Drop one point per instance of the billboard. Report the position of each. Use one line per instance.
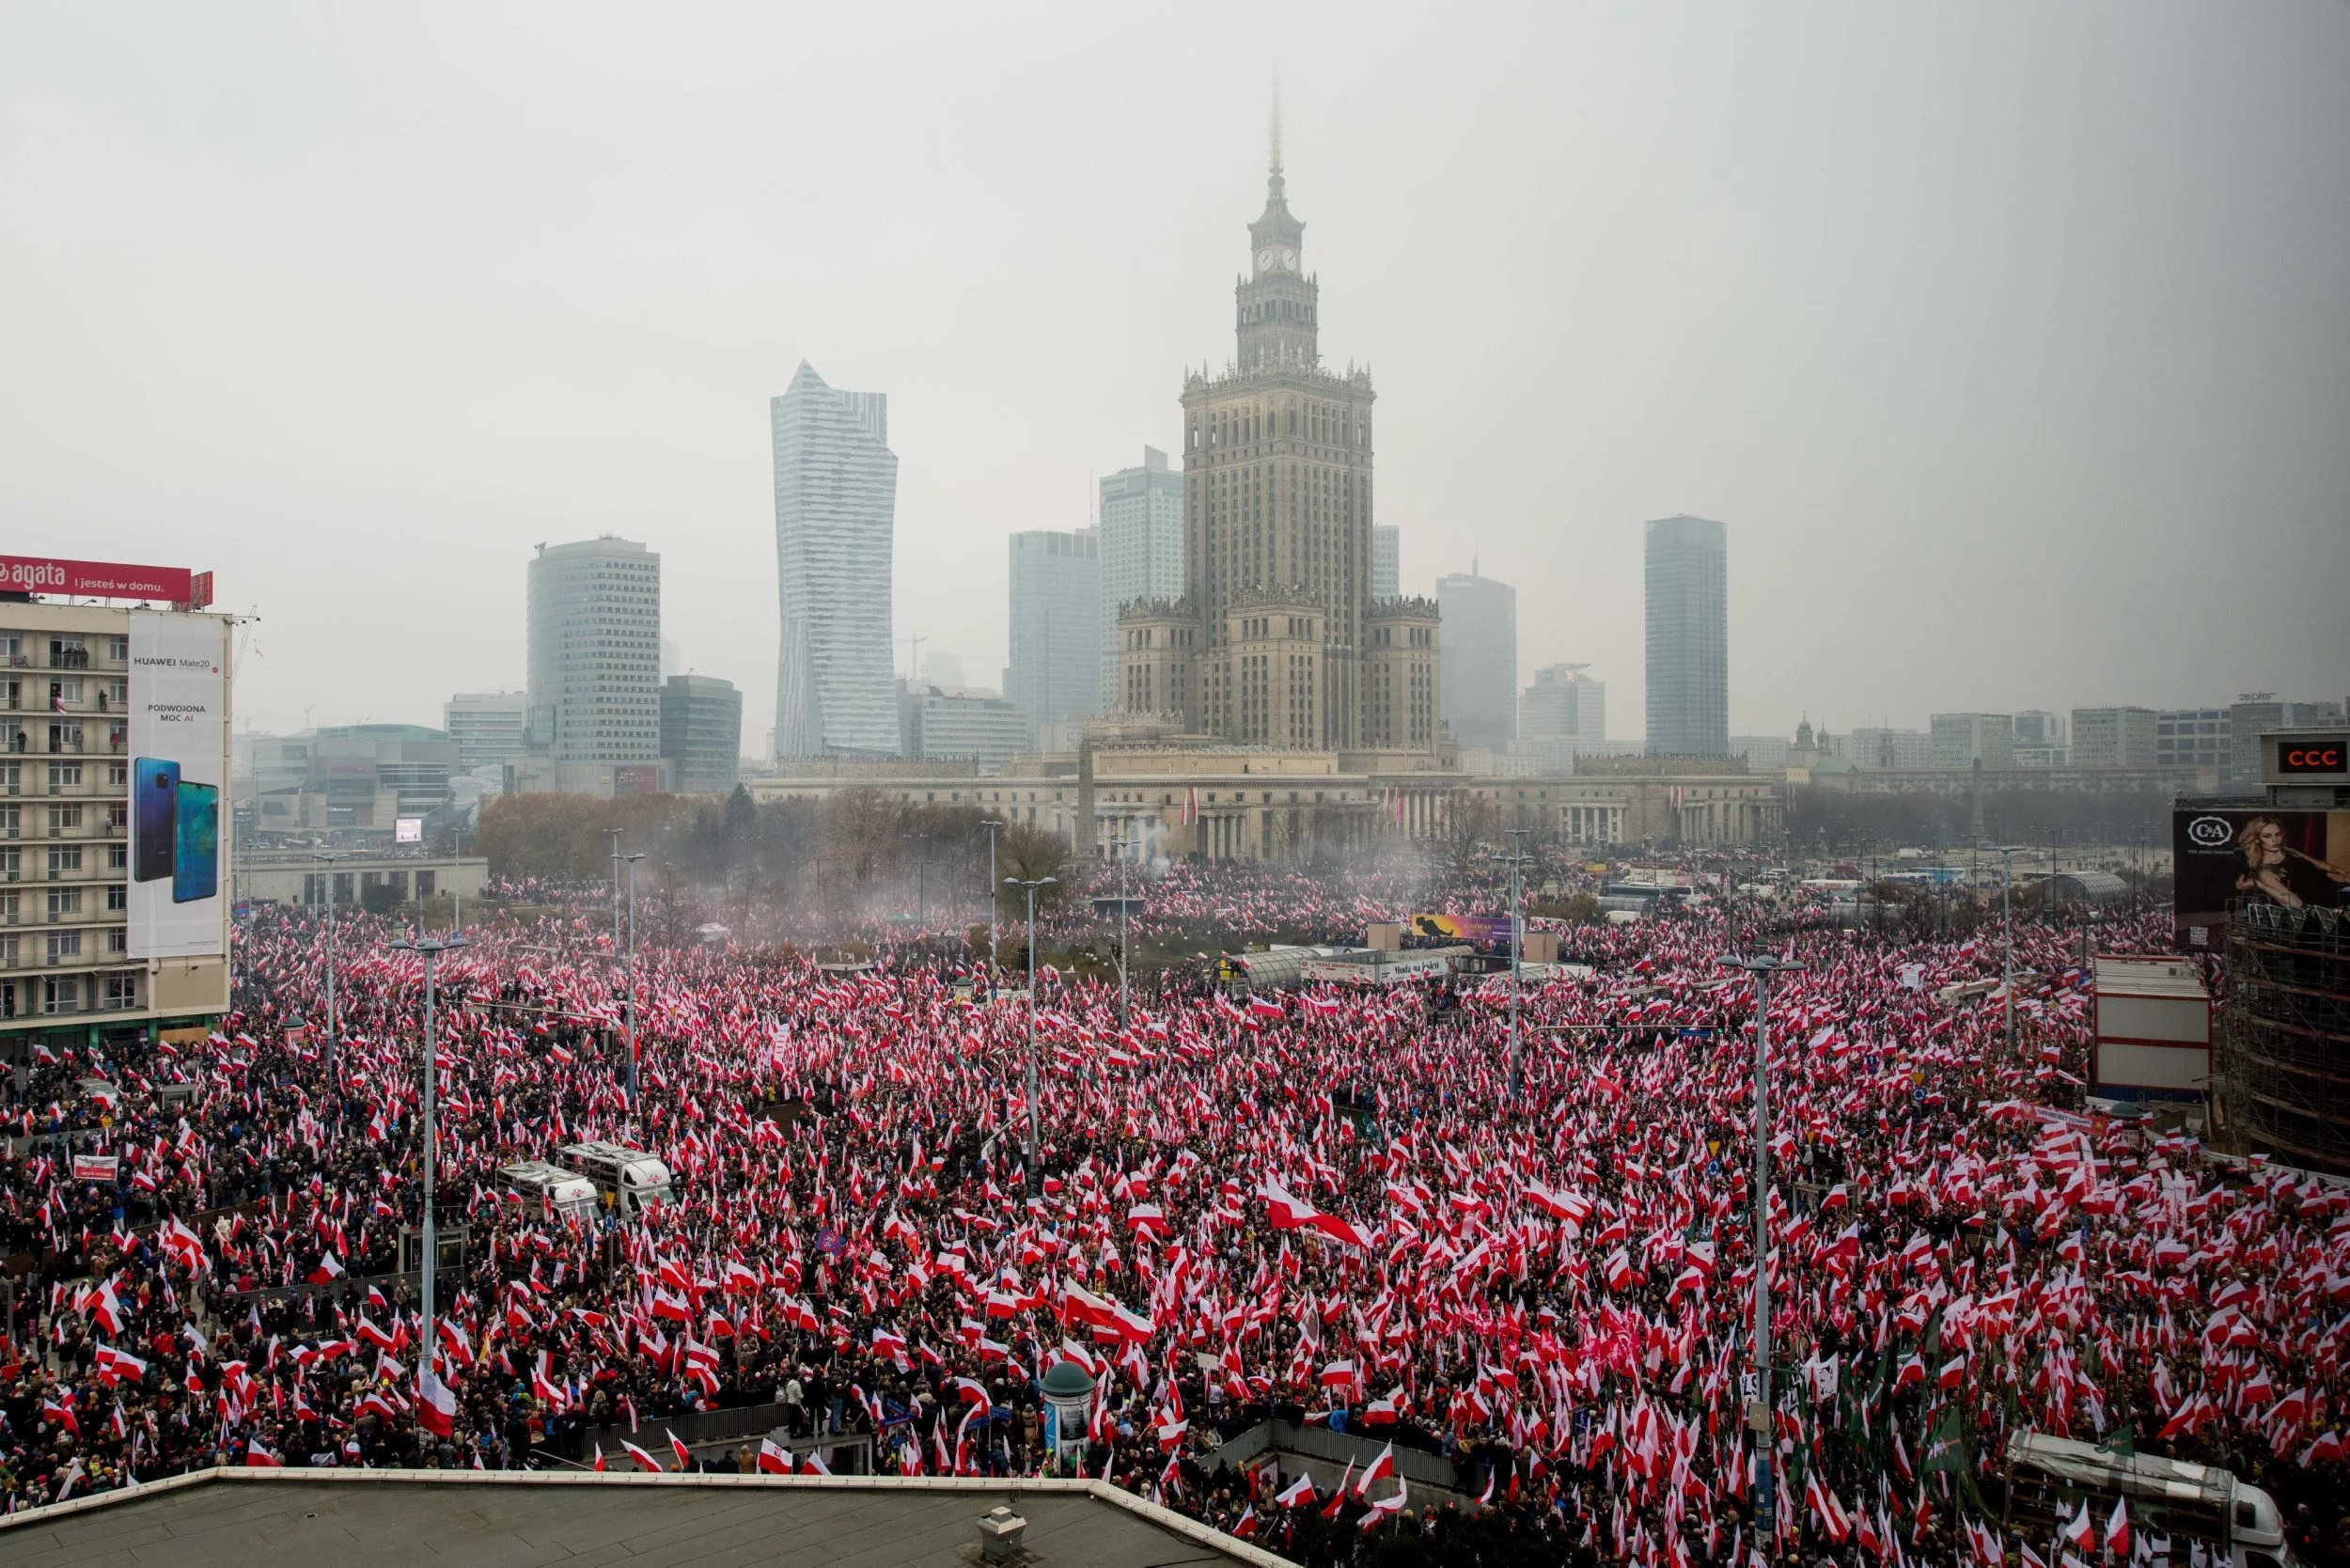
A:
(407, 830)
(2256, 853)
(97, 579)
(179, 734)
(1484, 931)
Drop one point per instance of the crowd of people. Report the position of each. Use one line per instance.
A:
(1533, 1260)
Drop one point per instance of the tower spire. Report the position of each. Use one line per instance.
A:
(1274, 183)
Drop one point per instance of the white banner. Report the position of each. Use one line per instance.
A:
(179, 737)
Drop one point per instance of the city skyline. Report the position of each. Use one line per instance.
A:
(1937, 363)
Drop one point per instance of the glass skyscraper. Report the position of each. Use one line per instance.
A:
(1688, 637)
(836, 509)
(1142, 549)
(1055, 669)
(594, 647)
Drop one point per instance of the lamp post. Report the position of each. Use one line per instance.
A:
(616, 890)
(1120, 843)
(1763, 966)
(627, 1002)
(922, 882)
(1036, 1175)
(431, 949)
(992, 826)
(1516, 860)
(332, 1019)
(2007, 941)
(457, 879)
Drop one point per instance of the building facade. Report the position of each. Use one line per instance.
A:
(836, 512)
(701, 733)
(1962, 740)
(1055, 669)
(2193, 738)
(110, 929)
(2254, 714)
(2113, 737)
(1275, 626)
(1141, 548)
(354, 777)
(1564, 704)
(1386, 561)
(985, 729)
(595, 651)
(488, 728)
(1687, 573)
(1481, 659)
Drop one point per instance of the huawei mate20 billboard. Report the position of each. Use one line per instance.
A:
(179, 784)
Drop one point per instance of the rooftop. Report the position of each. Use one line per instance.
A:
(362, 1518)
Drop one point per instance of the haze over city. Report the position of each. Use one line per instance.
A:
(2010, 344)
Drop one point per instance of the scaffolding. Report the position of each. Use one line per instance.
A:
(2286, 1032)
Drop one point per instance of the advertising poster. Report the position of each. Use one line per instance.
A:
(2260, 855)
(179, 785)
(1484, 931)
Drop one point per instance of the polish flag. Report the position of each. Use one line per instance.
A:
(329, 1270)
(436, 1403)
(1297, 1494)
(2118, 1529)
(685, 1454)
(1379, 1468)
(2079, 1531)
(643, 1459)
(774, 1459)
(260, 1458)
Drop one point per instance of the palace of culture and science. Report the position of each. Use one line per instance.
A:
(1278, 641)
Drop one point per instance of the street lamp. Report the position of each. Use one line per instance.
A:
(922, 883)
(1120, 843)
(431, 949)
(457, 879)
(993, 825)
(628, 1004)
(1516, 860)
(1763, 966)
(331, 1021)
(2007, 939)
(1036, 1175)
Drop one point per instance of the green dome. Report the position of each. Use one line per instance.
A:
(1066, 1380)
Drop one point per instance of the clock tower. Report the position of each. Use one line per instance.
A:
(1276, 300)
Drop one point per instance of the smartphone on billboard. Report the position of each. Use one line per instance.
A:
(154, 809)
(196, 847)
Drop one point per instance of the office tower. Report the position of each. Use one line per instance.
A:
(1143, 551)
(1883, 749)
(1764, 753)
(594, 672)
(487, 726)
(836, 504)
(1055, 668)
(2193, 738)
(1962, 740)
(1270, 642)
(988, 729)
(1481, 659)
(1386, 560)
(1565, 704)
(2254, 714)
(701, 733)
(1688, 637)
(2039, 726)
(2113, 738)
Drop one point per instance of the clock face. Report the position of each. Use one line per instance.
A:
(1289, 258)
(1264, 261)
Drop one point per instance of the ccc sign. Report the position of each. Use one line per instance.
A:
(2310, 757)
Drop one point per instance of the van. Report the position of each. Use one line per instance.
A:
(629, 1180)
(554, 1192)
(2050, 1479)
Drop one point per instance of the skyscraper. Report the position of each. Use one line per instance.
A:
(594, 636)
(1142, 549)
(836, 504)
(488, 727)
(1481, 659)
(1386, 560)
(1688, 637)
(1272, 640)
(702, 733)
(1563, 705)
(1055, 668)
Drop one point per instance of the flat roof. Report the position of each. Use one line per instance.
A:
(231, 1518)
(2127, 975)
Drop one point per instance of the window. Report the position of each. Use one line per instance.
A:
(121, 992)
(64, 901)
(60, 993)
(65, 857)
(117, 896)
(117, 857)
(64, 818)
(118, 940)
(64, 945)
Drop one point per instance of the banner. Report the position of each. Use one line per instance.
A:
(96, 1167)
(179, 735)
(2258, 855)
(98, 579)
(1484, 931)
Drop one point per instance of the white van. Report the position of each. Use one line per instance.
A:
(630, 1179)
(2050, 1479)
(554, 1192)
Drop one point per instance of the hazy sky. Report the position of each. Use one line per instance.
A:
(2010, 339)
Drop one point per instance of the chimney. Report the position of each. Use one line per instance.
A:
(1000, 1532)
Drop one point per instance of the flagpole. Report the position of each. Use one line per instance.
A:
(1036, 1174)
(430, 950)
(1761, 966)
